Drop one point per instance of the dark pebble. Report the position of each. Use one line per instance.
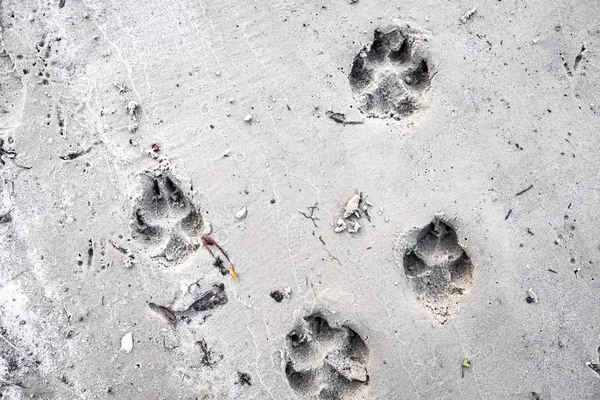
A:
(277, 296)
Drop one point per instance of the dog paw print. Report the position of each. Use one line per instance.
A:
(165, 219)
(390, 74)
(437, 267)
(325, 362)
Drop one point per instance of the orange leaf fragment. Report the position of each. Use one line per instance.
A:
(232, 272)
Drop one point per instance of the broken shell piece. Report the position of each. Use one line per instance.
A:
(133, 127)
(354, 227)
(127, 343)
(248, 118)
(531, 296)
(208, 229)
(132, 109)
(129, 261)
(341, 226)
(352, 205)
(287, 292)
(467, 15)
(242, 213)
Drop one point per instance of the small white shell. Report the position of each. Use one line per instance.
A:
(242, 213)
(341, 226)
(532, 295)
(355, 227)
(132, 109)
(127, 343)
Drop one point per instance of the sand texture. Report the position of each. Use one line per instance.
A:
(299, 200)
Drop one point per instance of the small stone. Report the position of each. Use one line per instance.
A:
(248, 118)
(277, 296)
(242, 213)
(127, 343)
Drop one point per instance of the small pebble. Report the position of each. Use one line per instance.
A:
(277, 296)
(127, 343)
(248, 118)
(242, 213)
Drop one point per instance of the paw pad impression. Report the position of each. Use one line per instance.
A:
(165, 218)
(390, 74)
(326, 362)
(437, 267)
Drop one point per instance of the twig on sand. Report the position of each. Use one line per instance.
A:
(341, 118)
(311, 216)
(524, 190)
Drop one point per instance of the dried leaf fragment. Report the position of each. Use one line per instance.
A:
(232, 272)
(213, 298)
(163, 311)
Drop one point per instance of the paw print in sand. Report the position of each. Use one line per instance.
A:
(390, 74)
(324, 362)
(165, 219)
(437, 267)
